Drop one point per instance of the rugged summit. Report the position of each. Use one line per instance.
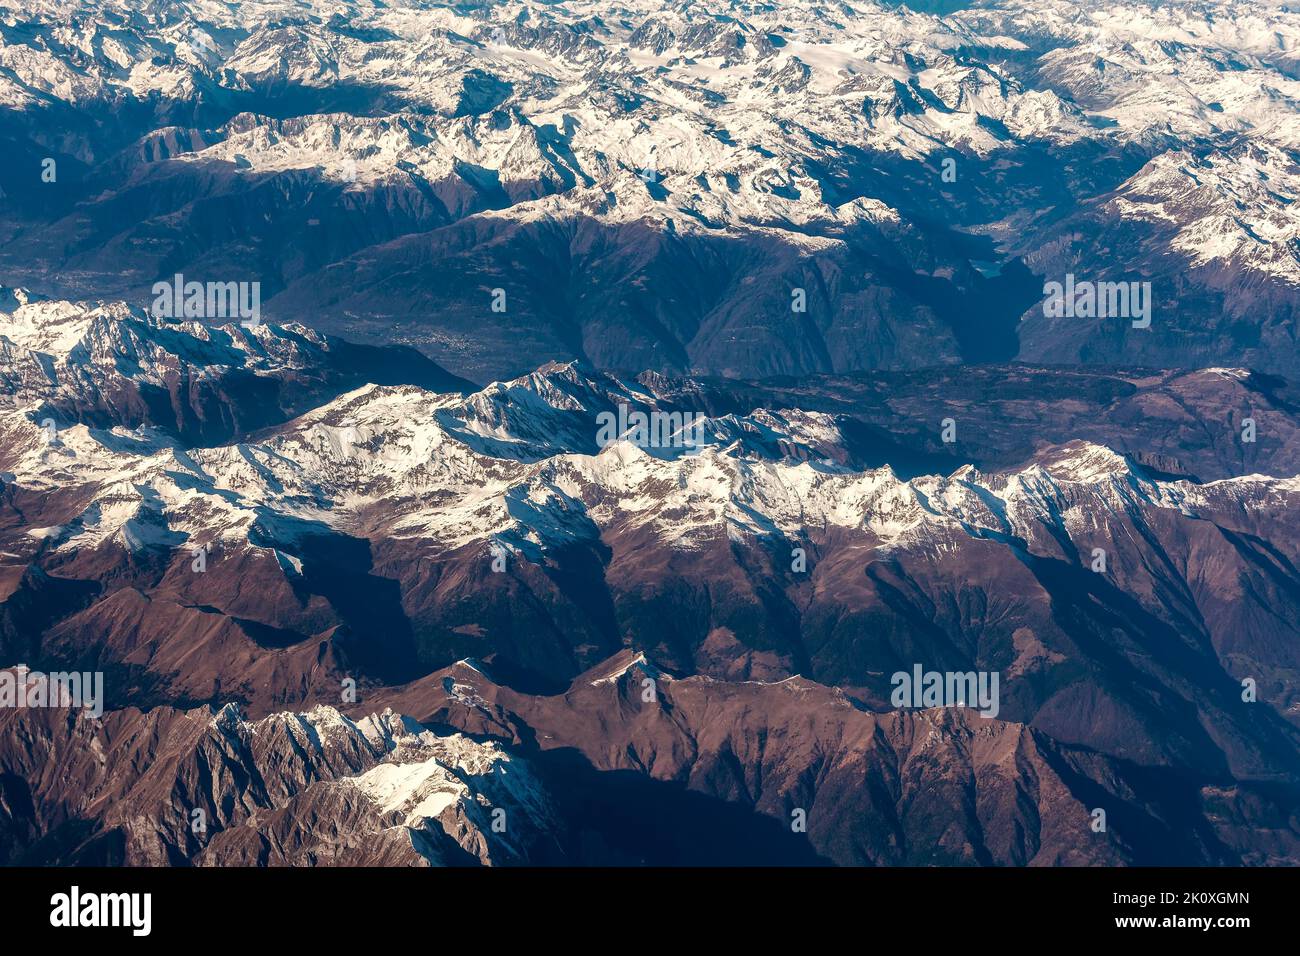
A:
(649, 184)
(311, 788)
(392, 531)
(636, 391)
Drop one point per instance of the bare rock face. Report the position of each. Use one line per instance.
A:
(394, 530)
(833, 782)
(214, 789)
(693, 645)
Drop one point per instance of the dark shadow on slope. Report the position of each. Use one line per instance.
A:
(216, 105)
(985, 316)
(1089, 610)
(871, 446)
(481, 92)
(1169, 826)
(377, 639)
(625, 818)
(74, 842)
(543, 620)
(631, 296)
(35, 604)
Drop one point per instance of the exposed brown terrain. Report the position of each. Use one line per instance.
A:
(356, 542)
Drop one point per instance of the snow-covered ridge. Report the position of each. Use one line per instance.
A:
(406, 772)
(1237, 207)
(516, 464)
(638, 108)
(64, 337)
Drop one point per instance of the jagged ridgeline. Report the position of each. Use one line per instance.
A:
(713, 187)
(649, 433)
(777, 565)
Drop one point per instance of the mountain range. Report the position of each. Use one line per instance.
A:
(388, 574)
(769, 580)
(648, 184)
